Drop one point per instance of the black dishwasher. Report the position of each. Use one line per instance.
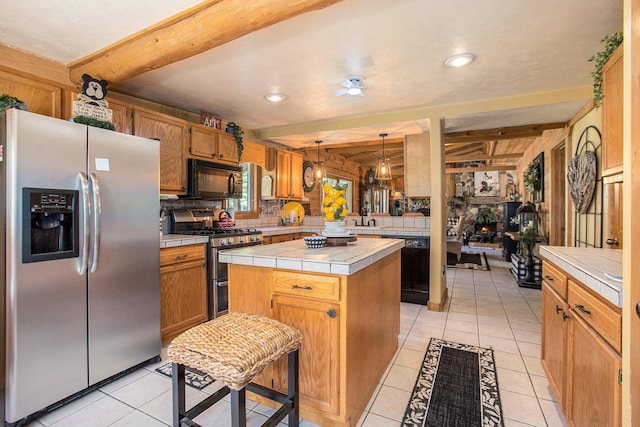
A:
(414, 282)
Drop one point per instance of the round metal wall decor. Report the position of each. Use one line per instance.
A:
(582, 180)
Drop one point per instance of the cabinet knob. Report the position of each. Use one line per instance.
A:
(558, 309)
(613, 241)
(549, 278)
(638, 309)
(332, 313)
(221, 156)
(565, 316)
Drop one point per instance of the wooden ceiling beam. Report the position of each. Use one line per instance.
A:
(473, 157)
(205, 26)
(500, 134)
(481, 169)
(476, 146)
(395, 143)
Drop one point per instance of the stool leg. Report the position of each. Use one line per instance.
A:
(177, 387)
(292, 392)
(238, 408)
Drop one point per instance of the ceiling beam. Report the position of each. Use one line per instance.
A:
(473, 157)
(464, 149)
(395, 143)
(481, 169)
(500, 134)
(210, 24)
(581, 93)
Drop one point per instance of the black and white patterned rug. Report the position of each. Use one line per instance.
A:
(193, 377)
(457, 387)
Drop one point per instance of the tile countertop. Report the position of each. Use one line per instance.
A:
(383, 231)
(596, 268)
(171, 240)
(294, 255)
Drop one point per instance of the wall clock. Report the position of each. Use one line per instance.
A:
(308, 180)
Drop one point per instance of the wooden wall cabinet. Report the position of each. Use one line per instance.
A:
(612, 114)
(581, 344)
(40, 98)
(288, 175)
(183, 289)
(213, 145)
(172, 134)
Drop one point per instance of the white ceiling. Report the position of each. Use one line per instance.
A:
(531, 62)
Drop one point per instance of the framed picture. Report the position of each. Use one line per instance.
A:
(486, 184)
(533, 178)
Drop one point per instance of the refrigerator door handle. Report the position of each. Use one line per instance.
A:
(86, 207)
(97, 212)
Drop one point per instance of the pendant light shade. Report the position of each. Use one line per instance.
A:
(383, 171)
(319, 171)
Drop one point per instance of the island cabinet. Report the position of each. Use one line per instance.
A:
(612, 108)
(288, 175)
(581, 344)
(213, 145)
(350, 326)
(172, 134)
(183, 289)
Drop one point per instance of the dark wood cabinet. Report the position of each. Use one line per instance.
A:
(509, 246)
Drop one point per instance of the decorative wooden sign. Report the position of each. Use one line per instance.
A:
(207, 119)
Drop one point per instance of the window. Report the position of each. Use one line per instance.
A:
(247, 205)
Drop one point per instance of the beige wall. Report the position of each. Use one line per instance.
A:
(549, 140)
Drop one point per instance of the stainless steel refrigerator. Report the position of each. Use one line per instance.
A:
(80, 260)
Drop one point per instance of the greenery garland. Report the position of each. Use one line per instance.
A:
(531, 177)
(90, 121)
(7, 101)
(611, 43)
(237, 134)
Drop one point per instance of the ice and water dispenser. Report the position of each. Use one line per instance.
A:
(50, 224)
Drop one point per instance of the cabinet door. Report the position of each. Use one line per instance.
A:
(122, 116)
(203, 143)
(594, 392)
(41, 98)
(295, 176)
(283, 164)
(613, 238)
(554, 338)
(319, 354)
(183, 297)
(612, 106)
(172, 134)
(227, 148)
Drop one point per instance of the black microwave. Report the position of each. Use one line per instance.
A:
(208, 180)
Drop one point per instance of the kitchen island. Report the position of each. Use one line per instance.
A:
(346, 302)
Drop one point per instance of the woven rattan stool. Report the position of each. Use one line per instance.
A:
(233, 349)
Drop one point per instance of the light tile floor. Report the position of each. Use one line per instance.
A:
(485, 308)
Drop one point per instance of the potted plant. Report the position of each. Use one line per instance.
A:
(237, 132)
(7, 101)
(485, 216)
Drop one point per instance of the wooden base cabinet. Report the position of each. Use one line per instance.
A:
(554, 340)
(581, 340)
(350, 333)
(183, 289)
(594, 391)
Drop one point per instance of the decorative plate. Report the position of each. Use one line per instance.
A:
(296, 208)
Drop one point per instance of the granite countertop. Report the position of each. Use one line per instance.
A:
(598, 269)
(172, 240)
(383, 231)
(295, 255)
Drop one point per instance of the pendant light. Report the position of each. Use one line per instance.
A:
(319, 171)
(383, 171)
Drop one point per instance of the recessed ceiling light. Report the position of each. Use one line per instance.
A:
(460, 60)
(275, 97)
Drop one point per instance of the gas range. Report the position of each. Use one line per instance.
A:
(196, 222)
(222, 237)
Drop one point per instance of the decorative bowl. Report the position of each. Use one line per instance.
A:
(314, 242)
